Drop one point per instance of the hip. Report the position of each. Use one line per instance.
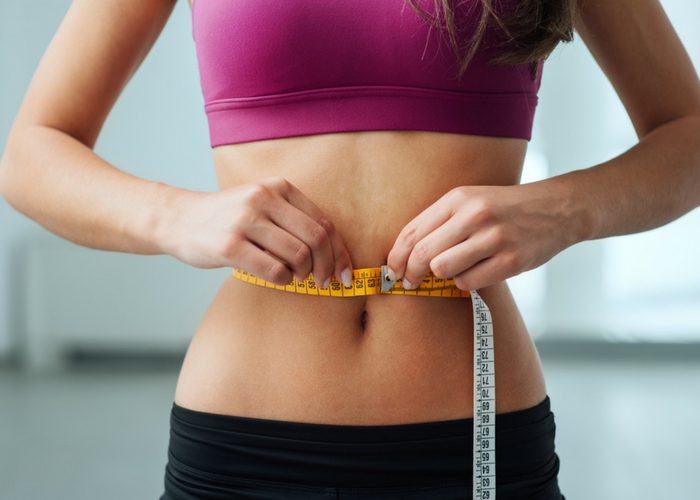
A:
(222, 456)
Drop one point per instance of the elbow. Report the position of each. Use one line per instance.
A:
(13, 165)
(6, 184)
(4, 180)
(11, 168)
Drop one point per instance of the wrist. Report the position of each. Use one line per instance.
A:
(578, 216)
(158, 222)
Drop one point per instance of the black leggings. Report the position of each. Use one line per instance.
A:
(214, 456)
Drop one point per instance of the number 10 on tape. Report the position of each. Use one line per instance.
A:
(484, 448)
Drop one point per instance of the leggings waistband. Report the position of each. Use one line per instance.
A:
(336, 433)
(425, 453)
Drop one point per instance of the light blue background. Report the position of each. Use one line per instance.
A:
(641, 287)
(617, 320)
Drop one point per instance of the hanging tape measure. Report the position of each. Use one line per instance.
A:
(374, 281)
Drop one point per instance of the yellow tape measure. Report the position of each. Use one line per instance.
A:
(375, 280)
(366, 281)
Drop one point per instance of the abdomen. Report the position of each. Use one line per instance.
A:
(379, 359)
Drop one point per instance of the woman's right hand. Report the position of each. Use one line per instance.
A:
(267, 227)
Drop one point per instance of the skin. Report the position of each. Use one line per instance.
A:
(272, 354)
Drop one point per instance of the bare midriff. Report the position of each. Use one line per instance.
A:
(379, 359)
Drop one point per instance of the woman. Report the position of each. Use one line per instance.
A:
(285, 395)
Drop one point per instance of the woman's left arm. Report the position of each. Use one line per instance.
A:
(479, 235)
(658, 179)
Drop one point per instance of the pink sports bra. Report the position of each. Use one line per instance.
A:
(272, 69)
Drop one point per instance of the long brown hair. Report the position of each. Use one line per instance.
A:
(532, 30)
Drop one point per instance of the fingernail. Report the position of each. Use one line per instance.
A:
(406, 284)
(326, 283)
(391, 274)
(346, 276)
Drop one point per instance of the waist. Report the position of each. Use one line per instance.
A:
(273, 354)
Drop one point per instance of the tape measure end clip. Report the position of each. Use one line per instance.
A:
(387, 284)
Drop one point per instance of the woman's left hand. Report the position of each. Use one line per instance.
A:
(479, 235)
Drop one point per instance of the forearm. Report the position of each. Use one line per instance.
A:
(653, 183)
(63, 185)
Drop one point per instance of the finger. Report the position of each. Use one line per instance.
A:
(259, 263)
(316, 252)
(484, 273)
(417, 229)
(460, 257)
(282, 244)
(448, 235)
(341, 256)
(300, 217)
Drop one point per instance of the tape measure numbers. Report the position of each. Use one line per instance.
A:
(484, 449)
(374, 281)
(367, 281)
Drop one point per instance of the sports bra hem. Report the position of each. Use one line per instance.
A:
(366, 90)
(378, 107)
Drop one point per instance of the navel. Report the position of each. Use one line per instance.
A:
(363, 319)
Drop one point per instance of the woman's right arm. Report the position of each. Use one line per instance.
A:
(50, 173)
(48, 170)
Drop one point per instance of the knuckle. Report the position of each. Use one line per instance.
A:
(280, 186)
(408, 235)
(302, 258)
(513, 261)
(499, 235)
(318, 236)
(246, 217)
(457, 194)
(278, 272)
(422, 251)
(439, 268)
(326, 224)
(482, 209)
(275, 181)
(257, 193)
(230, 245)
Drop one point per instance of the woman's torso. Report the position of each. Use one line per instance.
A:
(267, 353)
